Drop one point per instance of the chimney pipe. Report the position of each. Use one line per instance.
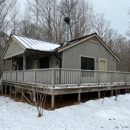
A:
(67, 25)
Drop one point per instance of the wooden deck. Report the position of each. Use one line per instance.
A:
(65, 81)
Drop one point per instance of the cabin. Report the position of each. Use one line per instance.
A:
(81, 65)
(86, 53)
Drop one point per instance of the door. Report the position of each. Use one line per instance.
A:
(103, 64)
(35, 64)
(103, 68)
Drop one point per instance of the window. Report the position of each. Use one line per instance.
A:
(44, 62)
(87, 64)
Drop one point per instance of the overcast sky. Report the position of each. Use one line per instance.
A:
(115, 11)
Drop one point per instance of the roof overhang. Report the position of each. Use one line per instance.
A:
(23, 47)
(38, 51)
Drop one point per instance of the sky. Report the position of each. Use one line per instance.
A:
(116, 11)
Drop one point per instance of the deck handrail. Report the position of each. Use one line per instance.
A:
(63, 77)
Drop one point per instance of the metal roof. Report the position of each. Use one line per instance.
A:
(29, 43)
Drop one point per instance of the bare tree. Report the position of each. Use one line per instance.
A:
(43, 13)
(122, 50)
(5, 19)
(128, 31)
(117, 93)
(37, 98)
(49, 16)
(111, 38)
(80, 13)
(15, 14)
(100, 25)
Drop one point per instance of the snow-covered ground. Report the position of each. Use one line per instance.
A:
(92, 115)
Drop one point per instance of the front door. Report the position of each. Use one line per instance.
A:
(35, 64)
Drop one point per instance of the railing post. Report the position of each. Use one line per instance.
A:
(16, 76)
(6, 75)
(53, 78)
(125, 78)
(111, 78)
(79, 80)
(98, 78)
(5, 89)
(23, 76)
(24, 61)
(11, 76)
(2, 89)
(34, 77)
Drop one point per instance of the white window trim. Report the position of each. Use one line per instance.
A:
(88, 57)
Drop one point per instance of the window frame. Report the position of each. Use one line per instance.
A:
(88, 72)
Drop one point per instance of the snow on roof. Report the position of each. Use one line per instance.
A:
(29, 43)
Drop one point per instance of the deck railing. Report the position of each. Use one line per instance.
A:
(67, 77)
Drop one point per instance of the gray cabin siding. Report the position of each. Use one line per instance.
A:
(72, 56)
(13, 49)
(52, 62)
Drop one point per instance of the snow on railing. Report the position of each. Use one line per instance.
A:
(67, 77)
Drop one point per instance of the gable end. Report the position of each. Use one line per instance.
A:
(12, 48)
(94, 38)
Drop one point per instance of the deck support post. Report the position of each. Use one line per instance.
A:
(2, 87)
(5, 90)
(52, 101)
(99, 95)
(10, 91)
(15, 93)
(22, 97)
(79, 97)
(125, 91)
(111, 92)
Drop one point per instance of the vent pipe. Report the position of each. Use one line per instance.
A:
(67, 26)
